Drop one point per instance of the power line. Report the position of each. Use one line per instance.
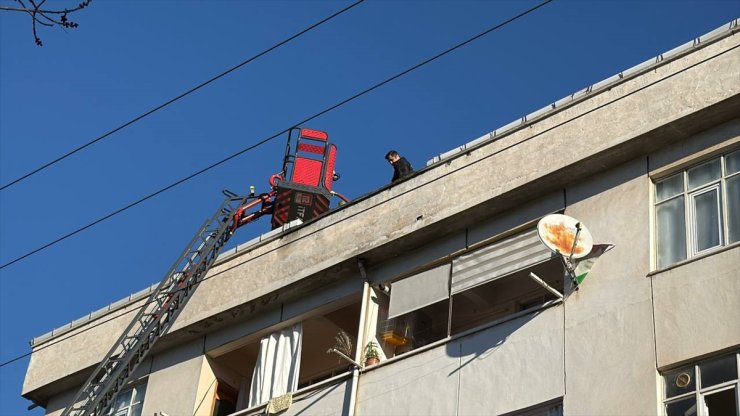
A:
(320, 113)
(186, 93)
(391, 198)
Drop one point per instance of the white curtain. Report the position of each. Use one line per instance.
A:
(278, 362)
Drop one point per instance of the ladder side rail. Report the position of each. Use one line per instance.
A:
(103, 368)
(159, 327)
(132, 354)
(99, 380)
(182, 296)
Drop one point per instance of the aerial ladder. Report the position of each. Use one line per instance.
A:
(301, 190)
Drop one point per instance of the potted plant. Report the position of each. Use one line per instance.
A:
(372, 355)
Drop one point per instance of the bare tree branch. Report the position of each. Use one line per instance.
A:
(38, 9)
(37, 14)
(53, 22)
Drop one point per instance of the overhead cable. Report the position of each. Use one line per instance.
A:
(186, 93)
(278, 134)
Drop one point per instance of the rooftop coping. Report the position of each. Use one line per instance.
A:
(578, 96)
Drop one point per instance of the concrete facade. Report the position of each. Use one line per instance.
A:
(599, 351)
(612, 312)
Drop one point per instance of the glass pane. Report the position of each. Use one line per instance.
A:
(669, 187)
(721, 403)
(671, 232)
(718, 371)
(733, 208)
(706, 223)
(732, 163)
(122, 400)
(139, 393)
(703, 174)
(555, 411)
(679, 381)
(685, 407)
(136, 410)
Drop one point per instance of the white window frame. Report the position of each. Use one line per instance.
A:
(693, 240)
(689, 197)
(135, 389)
(700, 392)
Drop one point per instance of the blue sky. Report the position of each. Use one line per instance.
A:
(130, 56)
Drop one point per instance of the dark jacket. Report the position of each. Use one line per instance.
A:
(401, 169)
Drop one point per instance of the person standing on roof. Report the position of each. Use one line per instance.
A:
(401, 167)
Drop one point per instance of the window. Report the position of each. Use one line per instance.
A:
(285, 360)
(707, 388)
(129, 401)
(476, 288)
(224, 399)
(412, 312)
(413, 329)
(552, 408)
(498, 298)
(493, 281)
(698, 209)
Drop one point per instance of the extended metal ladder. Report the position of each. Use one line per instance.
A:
(156, 315)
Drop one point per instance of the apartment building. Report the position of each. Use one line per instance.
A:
(434, 272)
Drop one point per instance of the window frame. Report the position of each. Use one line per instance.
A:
(688, 195)
(253, 339)
(512, 305)
(135, 389)
(699, 392)
(692, 237)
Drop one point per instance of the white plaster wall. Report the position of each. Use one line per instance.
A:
(609, 342)
(706, 144)
(507, 367)
(511, 219)
(87, 347)
(174, 380)
(330, 400)
(513, 365)
(58, 403)
(422, 384)
(406, 262)
(697, 307)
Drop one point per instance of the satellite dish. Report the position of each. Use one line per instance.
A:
(558, 233)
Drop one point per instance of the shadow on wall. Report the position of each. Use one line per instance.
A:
(479, 346)
(418, 370)
(317, 395)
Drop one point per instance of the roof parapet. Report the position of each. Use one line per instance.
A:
(721, 32)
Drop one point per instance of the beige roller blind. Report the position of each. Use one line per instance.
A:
(419, 290)
(497, 260)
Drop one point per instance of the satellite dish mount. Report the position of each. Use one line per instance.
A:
(567, 237)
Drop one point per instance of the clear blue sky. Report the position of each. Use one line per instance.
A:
(130, 56)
